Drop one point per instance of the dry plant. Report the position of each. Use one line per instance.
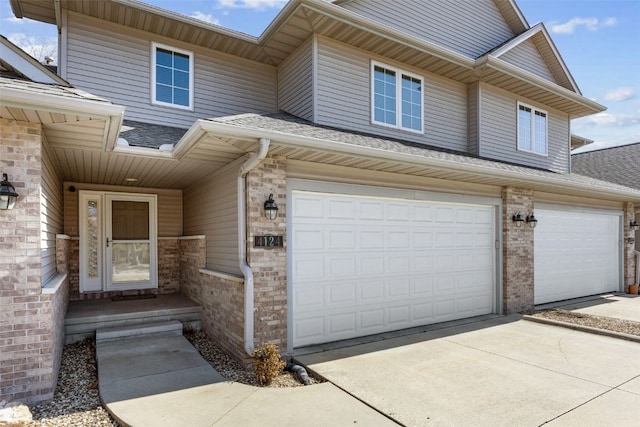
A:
(267, 363)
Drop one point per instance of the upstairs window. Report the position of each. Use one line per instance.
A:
(396, 98)
(171, 76)
(532, 129)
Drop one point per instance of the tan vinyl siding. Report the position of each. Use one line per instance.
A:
(469, 27)
(211, 209)
(51, 212)
(344, 92)
(527, 56)
(169, 207)
(113, 62)
(498, 133)
(295, 82)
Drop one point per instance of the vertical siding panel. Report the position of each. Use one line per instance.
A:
(343, 99)
(51, 212)
(473, 95)
(527, 57)
(295, 82)
(100, 54)
(169, 207)
(211, 209)
(469, 27)
(498, 133)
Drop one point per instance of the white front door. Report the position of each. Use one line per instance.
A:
(118, 241)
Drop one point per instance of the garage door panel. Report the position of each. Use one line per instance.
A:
(387, 264)
(576, 254)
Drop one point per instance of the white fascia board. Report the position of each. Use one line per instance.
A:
(537, 29)
(28, 66)
(374, 27)
(506, 68)
(30, 100)
(296, 141)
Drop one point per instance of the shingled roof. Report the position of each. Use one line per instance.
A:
(295, 127)
(620, 165)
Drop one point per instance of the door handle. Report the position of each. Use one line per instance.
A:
(107, 242)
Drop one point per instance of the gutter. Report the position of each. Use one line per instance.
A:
(326, 146)
(245, 268)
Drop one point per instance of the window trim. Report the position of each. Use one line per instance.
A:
(399, 74)
(534, 110)
(154, 47)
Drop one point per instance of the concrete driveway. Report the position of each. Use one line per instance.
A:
(500, 371)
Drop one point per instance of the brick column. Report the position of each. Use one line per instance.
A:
(629, 248)
(27, 359)
(518, 263)
(269, 265)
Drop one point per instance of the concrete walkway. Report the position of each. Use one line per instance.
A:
(159, 379)
(619, 305)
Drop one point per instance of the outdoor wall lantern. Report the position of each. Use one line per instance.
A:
(270, 209)
(532, 221)
(634, 225)
(517, 218)
(8, 195)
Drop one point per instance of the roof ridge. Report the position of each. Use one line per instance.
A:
(607, 148)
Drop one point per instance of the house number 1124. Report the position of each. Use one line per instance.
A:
(267, 241)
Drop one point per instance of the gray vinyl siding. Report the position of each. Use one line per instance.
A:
(51, 213)
(295, 82)
(113, 62)
(469, 27)
(344, 90)
(474, 111)
(169, 207)
(211, 209)
(527, 56)
(498, 133)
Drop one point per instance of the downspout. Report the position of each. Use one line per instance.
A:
(249, 164)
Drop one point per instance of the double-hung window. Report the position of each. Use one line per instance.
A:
(396, 98)
(532, 129)
(171, 76)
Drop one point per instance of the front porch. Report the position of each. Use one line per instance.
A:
(83, 318)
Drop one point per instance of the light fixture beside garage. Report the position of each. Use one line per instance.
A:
(8, 195)
(517, 218)
(532, 221)
(634, 225)
(270, 209)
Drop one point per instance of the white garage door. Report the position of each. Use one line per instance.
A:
(365, 265)
(576, 253)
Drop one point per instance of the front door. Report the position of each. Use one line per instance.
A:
(118, 244)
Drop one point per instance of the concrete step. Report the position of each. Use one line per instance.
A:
(173, 327)
(84, 318)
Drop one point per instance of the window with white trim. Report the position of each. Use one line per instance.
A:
(171, 76)
(532, 129)
(396, 98)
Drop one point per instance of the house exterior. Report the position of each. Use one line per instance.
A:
(614, 164)
(408, 148)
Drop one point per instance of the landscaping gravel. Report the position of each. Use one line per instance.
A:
(598, 322)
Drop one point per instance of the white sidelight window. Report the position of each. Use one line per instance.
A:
(396, 98)
(532, 129)
(171, 76)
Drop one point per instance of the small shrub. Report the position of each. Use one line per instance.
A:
(267, 363)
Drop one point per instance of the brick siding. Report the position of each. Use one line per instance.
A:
(518, 263)
(629, 248)
(269, 265)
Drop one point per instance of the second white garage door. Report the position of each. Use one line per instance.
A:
(363, 265)
(576, 253)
